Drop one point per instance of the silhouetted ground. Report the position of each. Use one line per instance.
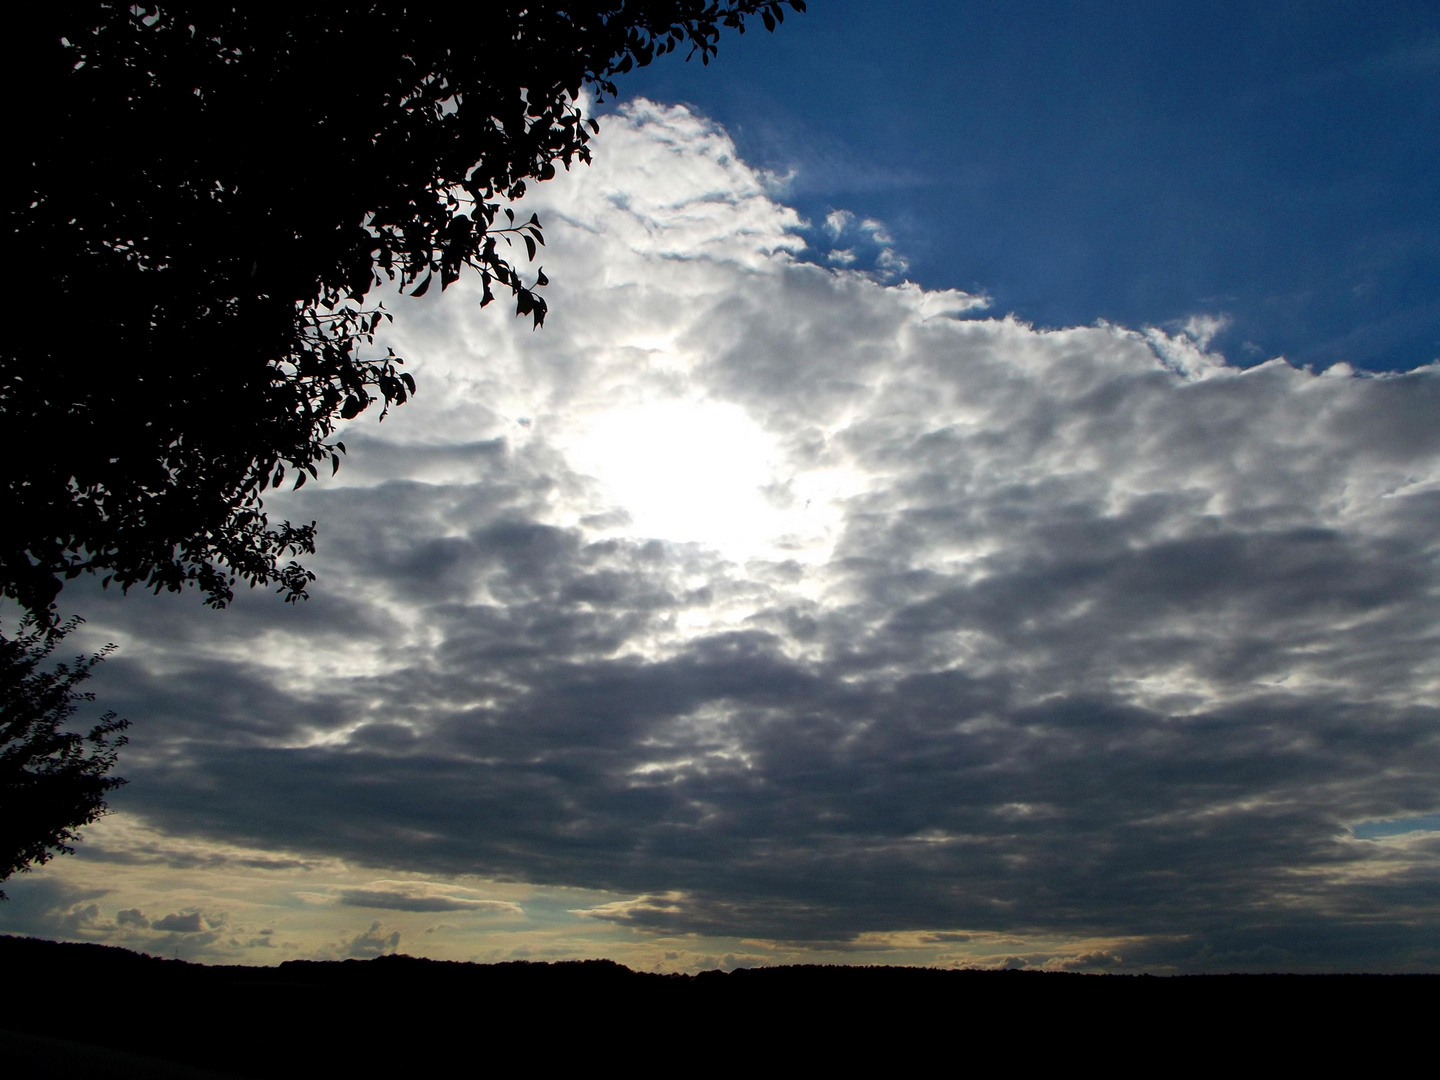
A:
(92, 1010)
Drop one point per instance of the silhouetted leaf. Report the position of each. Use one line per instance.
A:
(54, 780)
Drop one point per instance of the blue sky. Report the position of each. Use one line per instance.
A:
(1137, 162)
(766, 606)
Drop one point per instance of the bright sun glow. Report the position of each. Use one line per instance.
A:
(697, 471)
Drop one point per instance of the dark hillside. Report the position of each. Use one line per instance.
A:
(425, 1017)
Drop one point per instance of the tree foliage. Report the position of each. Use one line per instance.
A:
(52, 781)
(201, 197)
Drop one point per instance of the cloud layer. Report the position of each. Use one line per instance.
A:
(805, 608)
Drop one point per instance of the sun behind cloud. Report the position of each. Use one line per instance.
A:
(696, 471)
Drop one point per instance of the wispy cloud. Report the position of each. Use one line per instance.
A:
(870, 233)
(422, 896)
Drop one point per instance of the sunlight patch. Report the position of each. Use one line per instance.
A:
(692, 471)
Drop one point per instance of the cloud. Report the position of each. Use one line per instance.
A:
(190, 922)
(652, 912)
(839, 222)
(80, 919)
(1202, 329)
(132, 917)
(422, 896)
(1098, 960)
(1082, 632)
(889, 263)
(876, 231)
(42, 906)
(372, 943)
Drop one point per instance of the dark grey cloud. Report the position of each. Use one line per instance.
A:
(420, 896)
(398, 902)
(1113, 640)
(189, 922)
(81, 920)
(371, 943)
(43, 907)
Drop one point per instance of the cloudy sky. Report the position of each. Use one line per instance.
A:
(914, 537)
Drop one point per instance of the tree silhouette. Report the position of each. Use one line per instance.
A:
(52, 781)
(201, 196)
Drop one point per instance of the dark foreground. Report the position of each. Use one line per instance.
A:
(91, 1010)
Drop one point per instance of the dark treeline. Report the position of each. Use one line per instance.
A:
(399, 1015)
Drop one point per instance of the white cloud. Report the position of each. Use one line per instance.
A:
(876, 231)
(839, 222)
(891, 263)
(766, 593)
(1202, 328)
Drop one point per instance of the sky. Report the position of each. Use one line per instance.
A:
(890, 550)
(1132, 160)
